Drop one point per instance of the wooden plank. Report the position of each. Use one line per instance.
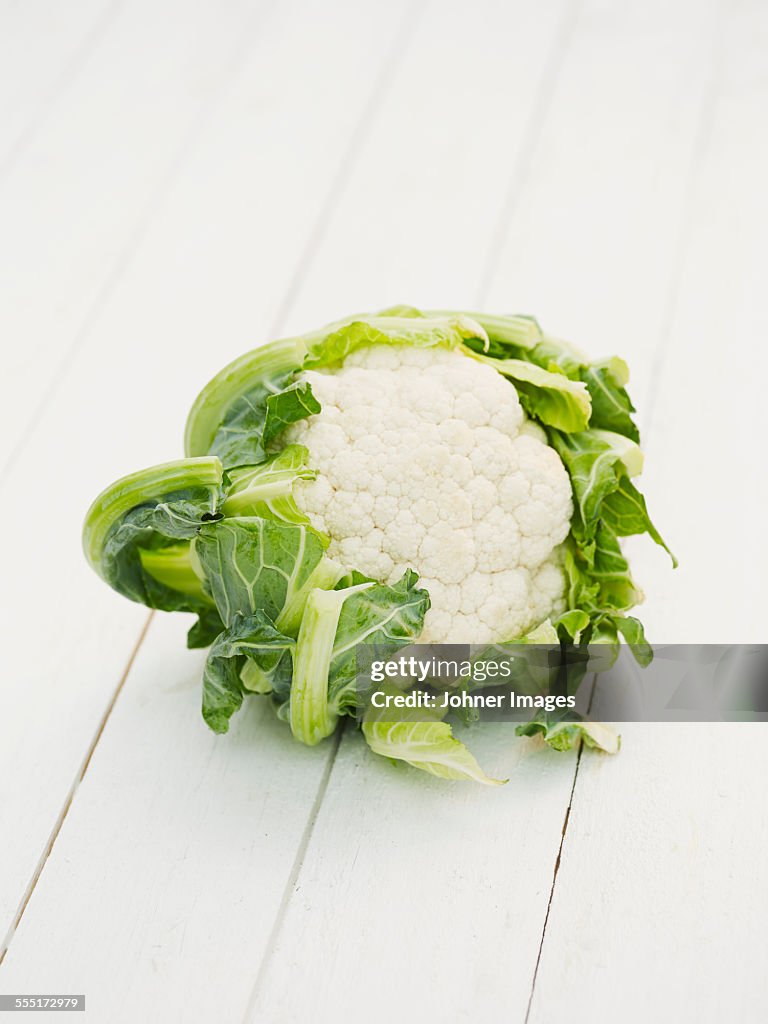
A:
(43, 48)
(407, 881)
(123, 400)
(77, 199)
(660, 903)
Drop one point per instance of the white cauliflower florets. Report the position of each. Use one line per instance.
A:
(426, 461)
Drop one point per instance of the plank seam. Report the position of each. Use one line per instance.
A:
(699, 153)
(554, 881)
(72, 791)
(68, 77)
(522, 165)
(291, 883)
(698, 156)
(358, 138)
(144, 221)
(519, 177)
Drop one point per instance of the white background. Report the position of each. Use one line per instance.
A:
(182, 180)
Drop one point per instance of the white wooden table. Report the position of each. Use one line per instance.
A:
(180, 180)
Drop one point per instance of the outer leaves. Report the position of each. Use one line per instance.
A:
(421, 332)
(552, 398)
(266, 490)
(266, 371)
(429, 746)
(610, 570)
(381, 615)
(252, 638)
(625, 512)
(294, 403)
(593, 465)
(255, 564)
(611, 405)
(172, 566)
(335, 624)
(256, 417)
(571, 624)
(608, 506)
(131, 526)
(253, 399)
(514, 337)
(597, 462)
(599, 583)
(566, 732)
(206, 629)
(151, 535)
(519, 337)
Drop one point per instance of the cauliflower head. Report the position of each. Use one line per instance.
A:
(425, 460)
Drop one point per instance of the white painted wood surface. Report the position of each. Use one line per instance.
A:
(183, 180)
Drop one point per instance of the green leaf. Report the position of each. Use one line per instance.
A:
(172, 566)
(610, 569)
(296, 402)
(628, 453)
(241, 438)
(564, 732)
(545, 634)
(259, 373)
(571, 624)
(519, 337)
(251, 638)
(420, 332)
(255, 564)
(634, 634)
(206, 629)
(266, 490)
(611, 405)
(255, 680)
(257, 396)
(429, 746)
(598, 463)
(134, 528)
(552, 398)
(625, 512)
(595, 467)
(334, 625)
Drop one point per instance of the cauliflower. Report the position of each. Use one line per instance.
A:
(389, 479)
(424, 462)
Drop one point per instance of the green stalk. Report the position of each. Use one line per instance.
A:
(325, 576)
(174, 567)
(254, 679)
(311, 717)
(145, 486)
